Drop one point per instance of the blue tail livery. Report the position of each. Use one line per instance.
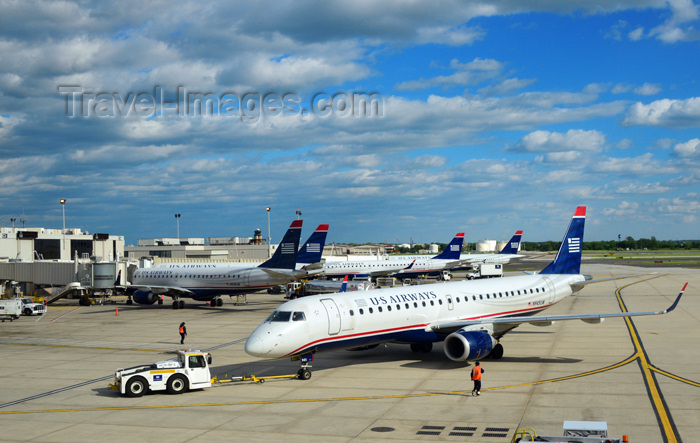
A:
(568, 259)
(312, 250)
(453, 250)
(285, 257)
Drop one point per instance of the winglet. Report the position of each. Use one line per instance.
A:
(678, 299)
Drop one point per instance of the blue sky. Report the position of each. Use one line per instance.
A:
(495, 116)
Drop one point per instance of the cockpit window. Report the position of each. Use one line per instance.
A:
(279, 316)
(298, 316)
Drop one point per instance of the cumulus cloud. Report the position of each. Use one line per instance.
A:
(665, 112)
(572, 140)
(689, 149)
(647, 89)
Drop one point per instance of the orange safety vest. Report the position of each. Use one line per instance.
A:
(476, 373)
(182, 329)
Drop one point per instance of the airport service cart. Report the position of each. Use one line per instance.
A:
(189, 370)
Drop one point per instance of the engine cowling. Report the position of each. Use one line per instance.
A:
(468, 345)
(145, 297)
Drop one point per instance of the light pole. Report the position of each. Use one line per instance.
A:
(269, 239)
(63, 206)
(298, 213)
(12, 220)
(177, 222)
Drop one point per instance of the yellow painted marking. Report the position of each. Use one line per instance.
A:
(659, 406)
(163, 371)
(673, 376)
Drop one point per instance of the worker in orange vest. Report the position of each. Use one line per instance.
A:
(476, 376)
(183, 333)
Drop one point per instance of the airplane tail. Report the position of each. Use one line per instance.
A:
(285, 257)
(513, 245)
(568, 259)
(453, 250)
(313, 248)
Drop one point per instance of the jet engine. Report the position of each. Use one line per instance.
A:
(468, 345)
(145, 297)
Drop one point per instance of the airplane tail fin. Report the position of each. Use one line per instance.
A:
(285, 257)
(313, 248)
(118, 281)
(453, 250)
(513, 245)
(568, 259)
(344, 286)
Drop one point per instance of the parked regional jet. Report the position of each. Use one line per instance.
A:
(207, 281)
(470, 317)
(448, 259)
(309, 254)
(505, 255)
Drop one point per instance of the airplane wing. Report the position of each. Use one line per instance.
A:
(162, 290)
(508, 323)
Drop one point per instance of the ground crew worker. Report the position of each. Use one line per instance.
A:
(183, 333)
(476, 376)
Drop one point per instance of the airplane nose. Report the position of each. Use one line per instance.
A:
(255, 346)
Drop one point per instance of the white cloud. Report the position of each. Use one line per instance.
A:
(691, 148)
(623, 209)
(637, 34)
(647, 89)
(572, 140)
(665, 112)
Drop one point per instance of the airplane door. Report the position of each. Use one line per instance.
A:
(450, 305)
(550, 289)
(333, 316)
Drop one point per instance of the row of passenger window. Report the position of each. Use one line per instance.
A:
(457, 300)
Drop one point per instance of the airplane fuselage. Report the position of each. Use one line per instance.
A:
(403, 315)
(206, 281)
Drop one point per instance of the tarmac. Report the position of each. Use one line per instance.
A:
(640, 376)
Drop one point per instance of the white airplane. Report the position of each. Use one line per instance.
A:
(208, 281)
(448, 259)
(470, 317)
(505, 255)
(309, 255)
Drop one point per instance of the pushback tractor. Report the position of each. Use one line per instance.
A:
(189, 370)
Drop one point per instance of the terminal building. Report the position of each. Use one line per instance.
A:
(35, 258)
(193, 249)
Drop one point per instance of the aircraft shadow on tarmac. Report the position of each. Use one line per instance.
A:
(401, 354)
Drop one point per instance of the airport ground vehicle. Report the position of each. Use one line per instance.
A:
(15, 307)
(11, 309)
(574, 431)
(31, 308)
(486, 270)
(189, 370)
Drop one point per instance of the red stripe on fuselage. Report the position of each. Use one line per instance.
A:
(406, 328)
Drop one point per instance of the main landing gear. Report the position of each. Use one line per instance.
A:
(216, 302)
(178, 304)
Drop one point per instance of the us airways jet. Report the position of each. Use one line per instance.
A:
(208, 281)
(448, 259)
(308, 257)
(471, 317)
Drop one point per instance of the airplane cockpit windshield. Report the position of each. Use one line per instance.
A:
(283, 316)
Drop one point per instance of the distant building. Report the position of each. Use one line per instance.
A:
(29, 244)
